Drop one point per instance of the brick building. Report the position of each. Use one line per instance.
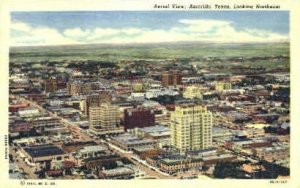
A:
(138, 117)
(171, 78)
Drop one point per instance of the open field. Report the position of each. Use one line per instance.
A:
(115, 53)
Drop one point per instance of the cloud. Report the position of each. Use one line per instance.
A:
(23, 34)
(131, 31)
(76, 32)
(204, 25)
(188, 30)
(20, 27)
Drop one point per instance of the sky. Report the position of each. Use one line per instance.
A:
(122, 27)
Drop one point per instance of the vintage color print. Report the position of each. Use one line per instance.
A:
(149, 95)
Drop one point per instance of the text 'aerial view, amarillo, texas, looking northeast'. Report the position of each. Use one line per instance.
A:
(149, 95)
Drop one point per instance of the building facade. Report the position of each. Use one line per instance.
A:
(78, 87)
(191, 127)
(51, 84)
(138, 117)
(220, 86)
(192, 92)
(96, 99)
(171, 78)
(105, 119)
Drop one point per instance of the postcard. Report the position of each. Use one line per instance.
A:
(149, 93)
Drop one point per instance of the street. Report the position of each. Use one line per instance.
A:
(22, 165)
(81, 135)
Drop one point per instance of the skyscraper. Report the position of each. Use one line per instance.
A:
(96, 99)
(105, 119)
(191, 127)
(177, 77)
(51, 85)
(78, 87)
(171, 78)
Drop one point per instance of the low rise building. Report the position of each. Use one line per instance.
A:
(272, 154)
(240, 144)
(220, 86)
(193, 160)
(57, 133)
(42, 155)
(99, 161)
(171, 166)
(32, 141)
(146, 152)
(127, 142)
(91, 152)
(116, 173)
(160, 134)
(45, 122)
(29, 112)
(192, 92)
(154, 93)
(16, 107)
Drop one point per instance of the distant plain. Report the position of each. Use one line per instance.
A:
(151, 52)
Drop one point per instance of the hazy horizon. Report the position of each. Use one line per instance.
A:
(155, 44)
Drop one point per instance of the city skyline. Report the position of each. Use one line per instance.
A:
(199, 95)
(124, 27)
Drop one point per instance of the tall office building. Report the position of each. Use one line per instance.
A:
(54, 83)
(171, 78)
(138, 117)
(105, 119)
(78, 87)
(177, 77)
(51, 85)
(191, 127)
(96, 99)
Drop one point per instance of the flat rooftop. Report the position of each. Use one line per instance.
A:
(157, 130)
(93, 149)
(45, 118)
(117, 171)
(217, 157)
(130, 139)
(142, 149)
(43, 151)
